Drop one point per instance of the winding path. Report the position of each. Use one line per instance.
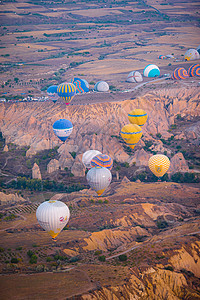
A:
(142, 244)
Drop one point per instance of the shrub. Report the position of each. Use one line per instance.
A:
(158, 135)
(123, 257)
(30, 253)
(19, 248)
(162, 224)
(14, 260)
(126, 165)
(33, 259)
(102, 258)
(97, 252)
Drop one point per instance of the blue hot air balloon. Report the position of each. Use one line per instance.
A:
(82, 86)
(151, 71)
(52, 92)
(66, 91)
(62, 129)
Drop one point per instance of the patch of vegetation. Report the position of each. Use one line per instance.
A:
(102, 258)
(43, 185)
(122, 257)
(170, 268)
(162, 224)
(185, 177)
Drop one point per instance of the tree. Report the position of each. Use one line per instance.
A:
(123, 257)
(102, 258)
(33, 259)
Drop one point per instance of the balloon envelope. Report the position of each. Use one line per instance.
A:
(194, 70)
(138, 116)
(99, 179)
(191, 54)
(151, 71)
(53, 216)
(62, 129)
(131, 134)
(88, 156)
(134, 76)
(179, 73)
(159, 164)
(52, 93)
(66, 91)
(82, 86)
(101, 86)
(102, 160)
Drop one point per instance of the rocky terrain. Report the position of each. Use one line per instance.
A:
(140, 239)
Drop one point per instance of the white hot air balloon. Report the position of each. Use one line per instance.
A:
(101, 86)
(88, 156)
(52, 216)
(99, 179)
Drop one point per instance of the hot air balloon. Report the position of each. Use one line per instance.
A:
(62, 129)
(52, 93)
(191, 54)
(151, 71)
(66, 91)
(179, 73)
(102, 160)
(194, 70)
(52, 216)
(159, 164)
(198, 49)
(99, 179)
(138, 116)
(131, 134)
(88, 156)
(82, 86)
(162, 57)
(134, 76)
(101, 86)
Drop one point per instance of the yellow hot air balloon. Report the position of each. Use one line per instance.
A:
(131, 134)
(159, 164)
(138, 116)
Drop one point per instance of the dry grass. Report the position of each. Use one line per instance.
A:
(44, 286)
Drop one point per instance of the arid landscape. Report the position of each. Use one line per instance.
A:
(140, 239)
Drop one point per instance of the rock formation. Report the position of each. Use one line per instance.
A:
(11, 198)
(178, 164)
(53, 166)
(36, 174)
(30, 124)
(140, 158)
(5, 148)
(78, 168)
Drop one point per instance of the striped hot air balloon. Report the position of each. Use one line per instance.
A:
(194, 70)
(88, 156)
(131, 134)
(82, 86)
(102, 160)
(66, 91)
(162, 57)
(138, 116)
(99, 178)
(179, 73)
(159, 164)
